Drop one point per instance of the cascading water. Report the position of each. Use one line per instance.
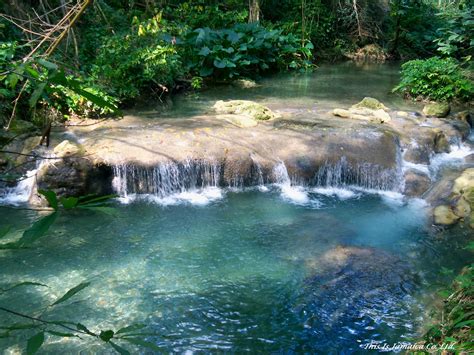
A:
(169, 182)
(21, 193)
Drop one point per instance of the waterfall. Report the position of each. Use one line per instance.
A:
(363, 175)
(168, 181)
(294, 193)
(21, 193)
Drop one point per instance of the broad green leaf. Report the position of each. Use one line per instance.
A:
(206, 71)
(143, 343)
(71, 292)
(69, 202)
(4, 230)
(34, 343)
(119, 349)
(38, 229)
(36, 95)
(47, 64)
(50, 197)
(467, 323)
(106, 335)
(130, 328)
(219, 63)
(204, 51)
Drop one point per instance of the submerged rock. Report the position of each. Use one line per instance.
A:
(437, 109)
(244, 107)
(352, 284)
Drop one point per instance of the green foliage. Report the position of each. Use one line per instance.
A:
(144, 60)
(456, 318)
(244, 50)
(435, 79)
(42, 82)
(456, 35)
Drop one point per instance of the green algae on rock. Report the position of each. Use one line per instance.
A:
(437, 109)
(245, 107)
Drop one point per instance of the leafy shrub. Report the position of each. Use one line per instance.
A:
(456, 36)
(145, 59)
(435, 79)
(244, 50)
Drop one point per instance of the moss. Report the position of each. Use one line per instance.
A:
(244, 107)
(371, 103)
(437, 109)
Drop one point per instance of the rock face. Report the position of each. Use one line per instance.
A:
(444, 215)
(370, 53)
(460, 201)
(465, 116)
(243, 107)
(245, 83)
(437, 109)
(73, 174)
(416, 183)
(369, 109)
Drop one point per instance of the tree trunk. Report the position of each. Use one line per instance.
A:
(254, 11)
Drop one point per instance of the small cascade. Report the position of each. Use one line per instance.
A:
(21, 193)
(295, 194)
(257, 168)
(363, 175)
(166, 178)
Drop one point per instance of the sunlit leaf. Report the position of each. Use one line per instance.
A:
(69, 202)
(71, 292)
(25, 283)
(34, 343)
(36, 94)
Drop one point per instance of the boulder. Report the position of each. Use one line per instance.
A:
(245, 83)
(244, 107)
(441, 144)
(341, 113)
(462, 208)
(437, 109)
(465, 116)
(371, 103)
(20, 127)
(369, 109)
(465, 182)
(416, 183)
(444, 215)
(67, 149)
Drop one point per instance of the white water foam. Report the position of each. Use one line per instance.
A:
(198, 197)
(22, 191)
(340, 193)
(455, 156)
(289, 192)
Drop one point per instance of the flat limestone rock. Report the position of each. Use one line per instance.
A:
(444, 215)
(239, 120)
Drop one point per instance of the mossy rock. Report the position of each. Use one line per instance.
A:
(244, 107)
(245, 83)
(371, 103)
(437, 109)
(444, 215)
(20, 127)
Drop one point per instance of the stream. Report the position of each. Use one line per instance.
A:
(277, 267)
